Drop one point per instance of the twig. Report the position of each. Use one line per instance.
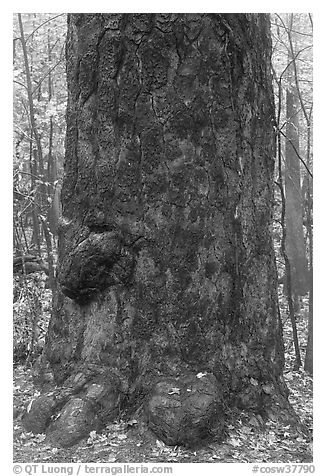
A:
(297, 153)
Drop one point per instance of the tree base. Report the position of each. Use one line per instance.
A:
(180, 411)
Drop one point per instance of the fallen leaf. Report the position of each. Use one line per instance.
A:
(254, 422)
(201, 375)
(160, 444)
(132, 422)
(234, 442)
(245, 429)
(30, 405)
(268, 389)
(174, 390)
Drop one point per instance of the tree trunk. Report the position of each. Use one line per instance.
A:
(307, 189)
(168, 298)
(36, 234)
(309, 362)
(295, 243)
(52, 175)
(32, 118)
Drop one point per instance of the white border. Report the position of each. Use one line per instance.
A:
(319, 194)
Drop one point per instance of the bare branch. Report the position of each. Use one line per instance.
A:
(310, 18)
(44, 23)
(297, 153)
(46, 75)
(293, 61)
(293, 31)
(21, 84)
(294, 58)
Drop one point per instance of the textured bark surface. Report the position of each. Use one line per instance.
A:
(168, 283)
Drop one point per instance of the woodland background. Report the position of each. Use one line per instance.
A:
(38, 143)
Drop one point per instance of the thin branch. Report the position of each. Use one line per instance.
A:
(293, 31)
(46, 75)
(25, 135)
(29, 174)
(310, 18)
(289, 119)
(21, 84)
(294, 57)
(44, 23)
(297, 153)
(297, 81)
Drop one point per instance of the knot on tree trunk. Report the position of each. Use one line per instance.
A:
(101, 260)
(186, 410)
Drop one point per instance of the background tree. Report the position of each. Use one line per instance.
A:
(293, 74)
(39, 72)
(168, 284)
(39, 127)
(295, 244)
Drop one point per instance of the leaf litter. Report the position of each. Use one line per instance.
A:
(248, 440)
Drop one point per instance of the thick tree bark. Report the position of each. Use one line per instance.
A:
(168, 296)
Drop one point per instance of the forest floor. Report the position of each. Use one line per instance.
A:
(248, 441)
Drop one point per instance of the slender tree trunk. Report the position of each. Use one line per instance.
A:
(168, 284)
(35, 132)
(50, 254)
(308, 365)
(36, 239)
(54, 193)
(295, 243)
(51, 166)
(287, 265)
